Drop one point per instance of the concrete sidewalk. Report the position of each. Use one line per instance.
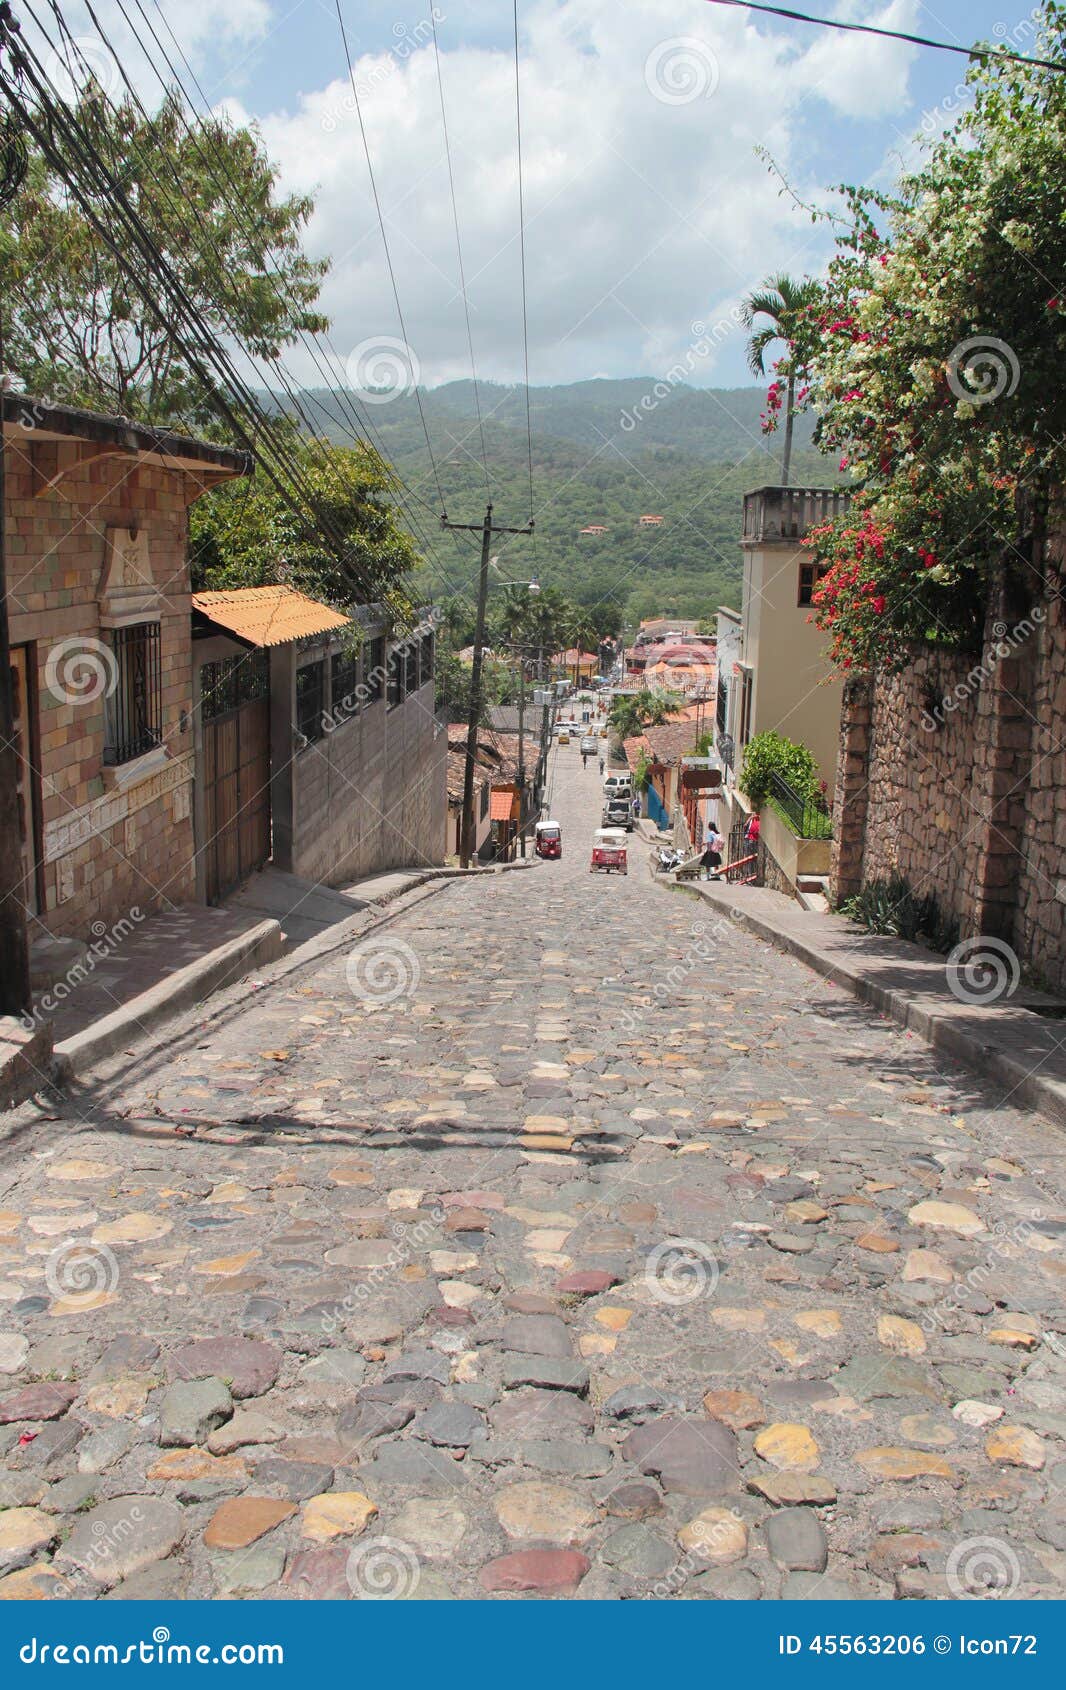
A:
(1020, 1049)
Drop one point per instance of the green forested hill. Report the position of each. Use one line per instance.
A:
(690, 460)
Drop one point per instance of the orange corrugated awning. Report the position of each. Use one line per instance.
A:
(266, 616)
(504, 805)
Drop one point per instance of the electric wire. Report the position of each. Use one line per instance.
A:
(459, 251)
(522, 253)
(385, 244)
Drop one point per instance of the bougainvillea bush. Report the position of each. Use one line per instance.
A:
(938, 367)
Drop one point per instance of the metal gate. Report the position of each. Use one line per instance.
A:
(235, 713)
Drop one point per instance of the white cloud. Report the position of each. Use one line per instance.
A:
(862, 75)
(646, 206)
(647, 209)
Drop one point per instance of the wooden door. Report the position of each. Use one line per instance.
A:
(236, 763)
(26, 777)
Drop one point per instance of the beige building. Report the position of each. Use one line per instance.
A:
(780, 677)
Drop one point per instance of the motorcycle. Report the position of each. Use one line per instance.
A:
(665, 859)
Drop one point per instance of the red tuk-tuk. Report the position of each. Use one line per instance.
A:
(548, 841)
(609, 850)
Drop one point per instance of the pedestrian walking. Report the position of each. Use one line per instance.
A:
(711, 860)
(601, 767)
(751, 832)
(584, 759)
(636, 806)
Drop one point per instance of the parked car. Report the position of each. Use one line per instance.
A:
(618, 812)
(618, 785)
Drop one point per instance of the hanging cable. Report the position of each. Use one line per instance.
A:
(316, 445)
(984, 54)
(385, 244)
(64, 144)
(459, 251)
(522, 252)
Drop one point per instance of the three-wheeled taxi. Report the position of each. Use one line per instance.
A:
(609, 850)
(548, 840)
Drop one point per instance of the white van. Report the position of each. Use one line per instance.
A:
(618, 785)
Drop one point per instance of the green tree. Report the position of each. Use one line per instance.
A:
(787, 304)
(247, 535)
(77, 329)
(938, 373)
(630, 713)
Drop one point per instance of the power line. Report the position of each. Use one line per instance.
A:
(64, 143)
(459, 249)
(360, 431)
(322, 448)
(385, 243)
(522, 253)
(983, 53)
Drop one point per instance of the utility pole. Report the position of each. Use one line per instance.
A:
(15, 998)
(486, 529)
(522, 750)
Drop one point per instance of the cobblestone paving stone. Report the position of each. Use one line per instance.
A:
(558, 1241)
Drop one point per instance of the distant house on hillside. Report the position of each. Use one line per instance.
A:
(651, 521)
(594, 528)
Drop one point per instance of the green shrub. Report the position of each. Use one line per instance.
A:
(771, 754)
(891, 908)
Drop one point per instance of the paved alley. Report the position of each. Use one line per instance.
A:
(556, 1238)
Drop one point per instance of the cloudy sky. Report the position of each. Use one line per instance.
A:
(648, 209)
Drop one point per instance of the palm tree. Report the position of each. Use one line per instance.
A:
(785, 301)
(581, 634)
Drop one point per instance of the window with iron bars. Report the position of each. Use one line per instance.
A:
(344, 685)
(311, 699)
(410, 667)
(375, 670)
(135, 704)
(394, 681)
(232, 681)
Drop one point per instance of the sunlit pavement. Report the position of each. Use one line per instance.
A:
(556, 1239)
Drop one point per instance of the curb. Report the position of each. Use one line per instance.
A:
(261, 946)
(190, 985)
(938, 1027)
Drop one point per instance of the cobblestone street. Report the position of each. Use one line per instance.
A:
(556, 1238)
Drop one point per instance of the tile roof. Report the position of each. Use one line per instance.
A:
(268, 616)
(671, 741)
(503, 805)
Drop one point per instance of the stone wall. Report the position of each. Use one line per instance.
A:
(952, 776)
(105, 845)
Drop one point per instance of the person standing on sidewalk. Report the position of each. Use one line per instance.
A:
(711, 860)
(601, 765)
(636, 806)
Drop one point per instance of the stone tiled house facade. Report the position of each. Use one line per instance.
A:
(952, 773)
(98, 603)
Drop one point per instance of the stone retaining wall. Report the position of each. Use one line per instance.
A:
(952, 775)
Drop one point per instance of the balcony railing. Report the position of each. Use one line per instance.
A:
(788, 513)
(808, 818)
